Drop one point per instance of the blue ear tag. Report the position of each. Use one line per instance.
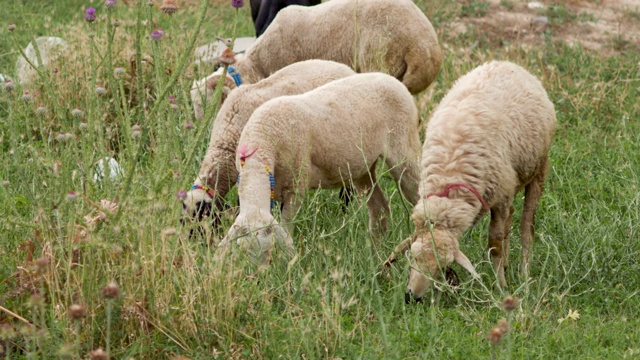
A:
(235, 75)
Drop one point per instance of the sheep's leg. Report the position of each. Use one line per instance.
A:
(379, 211)
(290, 206)
(377, 203)
(505, 243)
(346, 193)
(532, 195)
(407, 176)
(497, 236)
(406, 173)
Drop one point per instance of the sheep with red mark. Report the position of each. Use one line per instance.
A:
(324, 138)
(218, 173)
(486, 141)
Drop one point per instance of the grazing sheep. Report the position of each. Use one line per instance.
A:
(324, 138)
(487, 140)
(218, 172)
(391, 36)
(264, 11)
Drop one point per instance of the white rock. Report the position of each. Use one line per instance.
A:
(210, 52)
(536, 5)
(115, 171)
(539, 23)
(50, 49)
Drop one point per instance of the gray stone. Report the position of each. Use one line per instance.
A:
(50, 49)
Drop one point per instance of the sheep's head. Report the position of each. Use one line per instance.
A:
(198, 205)
(431, 253)
(204, 89)
(259, 239)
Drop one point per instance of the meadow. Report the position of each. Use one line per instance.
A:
(76, 277)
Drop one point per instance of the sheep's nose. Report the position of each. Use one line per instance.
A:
(408, 297)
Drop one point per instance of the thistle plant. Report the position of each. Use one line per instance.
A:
(109, 293)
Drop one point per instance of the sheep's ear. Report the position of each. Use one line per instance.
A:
(229, 84)
(463, 261)
(227, 87)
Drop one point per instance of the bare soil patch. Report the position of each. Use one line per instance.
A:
(606, 26)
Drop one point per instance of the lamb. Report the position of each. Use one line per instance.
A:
(323, 138)
(487, 140)
(391, 36)
(218, 173)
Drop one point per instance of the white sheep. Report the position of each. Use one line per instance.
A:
(487, 140)
(326, 137)
(218, 172)
(391, 36)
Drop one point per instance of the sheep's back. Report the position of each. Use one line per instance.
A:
(493, 130)
(293, 79)
(380, 33)
(336, 124)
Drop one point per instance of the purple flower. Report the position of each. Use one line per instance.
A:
(110, 3)
(90, 14)
(181, 195)
(237, 3)
(71, 196)
(157, 34)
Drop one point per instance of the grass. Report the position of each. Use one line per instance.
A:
(332, 300)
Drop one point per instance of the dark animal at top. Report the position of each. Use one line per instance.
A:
(263, 11)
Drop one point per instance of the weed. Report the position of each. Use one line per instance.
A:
(474, 8)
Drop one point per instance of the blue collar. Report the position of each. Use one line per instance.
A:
(235, 75)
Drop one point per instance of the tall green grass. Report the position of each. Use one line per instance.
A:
(333, 299)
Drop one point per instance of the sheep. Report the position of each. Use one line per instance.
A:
(392, 36)
(324, 138)
(486, 141)
(217, 173)
(264, 11)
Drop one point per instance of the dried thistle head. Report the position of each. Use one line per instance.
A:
(111, 291)
(76, 312)
(36, 301)
(42, 263)
(503, 325)
(7, 332)
(169, 6)
(98, 354)
(495, 336)
(510, 303)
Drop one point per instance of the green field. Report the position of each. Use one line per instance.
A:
(332, 300)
